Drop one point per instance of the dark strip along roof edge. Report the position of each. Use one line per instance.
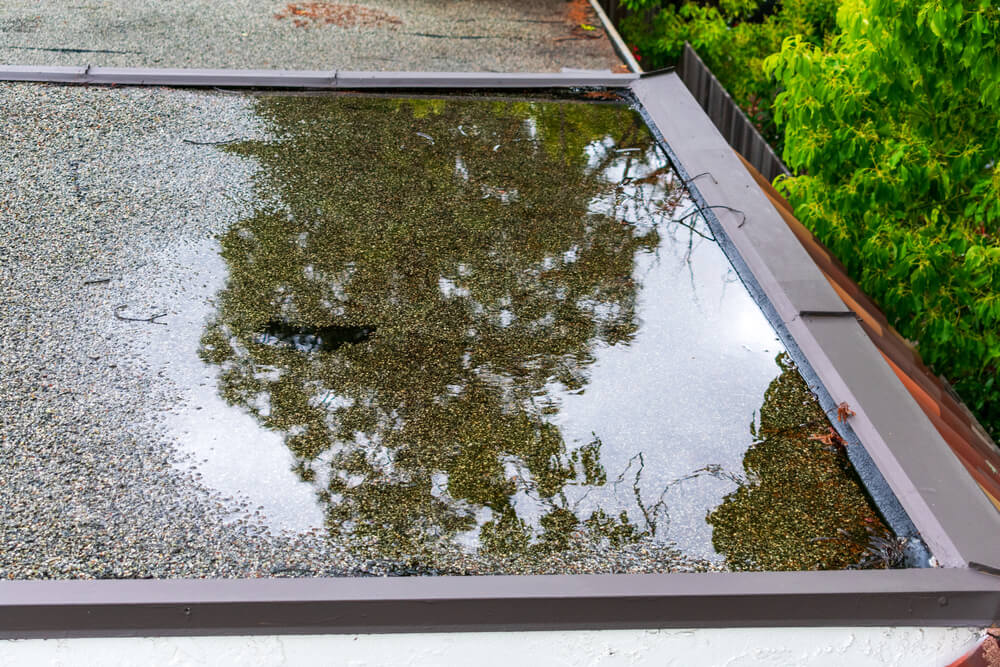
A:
(135, 608)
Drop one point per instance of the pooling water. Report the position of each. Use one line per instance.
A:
(493, 340)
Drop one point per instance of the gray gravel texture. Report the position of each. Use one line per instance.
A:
(101, 199)
(94, 182)
(459, 35)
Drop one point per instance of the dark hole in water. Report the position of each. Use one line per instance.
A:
(314, 339)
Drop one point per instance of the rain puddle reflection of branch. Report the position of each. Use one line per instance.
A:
(652, 513)
(647, 203)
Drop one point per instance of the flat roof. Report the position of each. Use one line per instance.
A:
(503, 341)
(805, 317)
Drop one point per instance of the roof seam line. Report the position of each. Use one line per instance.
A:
(985, 569)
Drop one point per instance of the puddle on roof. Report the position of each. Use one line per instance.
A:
(489, 343)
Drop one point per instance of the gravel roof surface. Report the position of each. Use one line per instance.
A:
(94, 183)
(384, 35)
(107, 210)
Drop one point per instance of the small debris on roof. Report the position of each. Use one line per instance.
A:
(583, 21)
(580, 12)
(831, 438)
(602, 95)
(342, 16)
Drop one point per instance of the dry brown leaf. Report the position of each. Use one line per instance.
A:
(831, 438)
(601, 95)
(844, 411)
(825, 438)
(582, 20)
(579, 11)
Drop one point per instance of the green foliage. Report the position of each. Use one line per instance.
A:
(893, 127)
(733, 37)
(889, 110)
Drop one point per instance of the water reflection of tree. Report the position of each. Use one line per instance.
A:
(801, 507)
(461, 234)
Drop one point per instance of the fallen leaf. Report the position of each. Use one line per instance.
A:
(825, 438)
(578, 12)
(831, 438)
(844, 411)
(601, 95)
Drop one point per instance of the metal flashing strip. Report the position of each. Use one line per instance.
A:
(950, 597)
(581, 79)
(140, 76)
(952, 515)
(46, 74)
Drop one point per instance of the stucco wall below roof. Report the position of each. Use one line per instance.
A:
(745, 647)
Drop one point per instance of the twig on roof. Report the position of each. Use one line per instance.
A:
(152, 319)
(211, 143)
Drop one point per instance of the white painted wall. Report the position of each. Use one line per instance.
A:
(811, 647)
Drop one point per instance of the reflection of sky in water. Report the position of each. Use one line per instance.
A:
(682, 393)
(233, 454)
(680, 396)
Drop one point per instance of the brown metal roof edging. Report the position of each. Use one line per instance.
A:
(230, 78)
(954, 518)
(928, 596)
(924, 597)
(917, 553)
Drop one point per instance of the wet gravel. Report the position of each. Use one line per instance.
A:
(464, 35)
(93, 181)
(98, 190)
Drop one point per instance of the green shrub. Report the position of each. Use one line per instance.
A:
(733, 37)
(890, 112)
(895, 130)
